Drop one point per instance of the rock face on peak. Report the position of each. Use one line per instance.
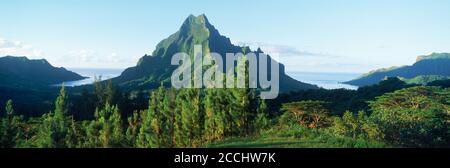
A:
(151, 70)
(426, 69)
(21, 72)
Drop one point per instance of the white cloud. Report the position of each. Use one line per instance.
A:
(113, 57)
(92, 58)
(283, 50)
(18, 48)
(84, 57)
(296, 60)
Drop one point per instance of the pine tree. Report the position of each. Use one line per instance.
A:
(179, 134)
(111, 132)
(61, 110)
(111, 93)
(166, 116)
(132, 132)
(73, 138)
(244, 98)
(92, 129)
(54, 127)
(99, 92)
(149, 131)
(10, 127)
(217, 112)
(261, 120)
(209, 125)
(190, 118)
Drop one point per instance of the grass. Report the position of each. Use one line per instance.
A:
(295, 136)
(271, 142)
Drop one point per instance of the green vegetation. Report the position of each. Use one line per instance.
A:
(411, 117)
(10, 128)
(416, 116)
(430, 67)
(174, 118)
(425, 79)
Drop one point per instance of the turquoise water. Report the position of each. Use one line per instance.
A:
(324, 80)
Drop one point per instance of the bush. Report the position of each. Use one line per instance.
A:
(355, 127)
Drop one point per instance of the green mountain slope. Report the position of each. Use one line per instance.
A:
(21, 72)
(425, 79)
(436, 64)
(151, 70)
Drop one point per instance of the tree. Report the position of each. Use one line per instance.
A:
(99, 92)
(261, 120)
(219, 114)
(150, 131)
(111, 132)
(416, 116)
(92, 130)
(132, 132)
(312, 114)
(61, 110)
(112, 94)
(73, 137)
(189, 118)
(214, 125)
(244, 102)
(166, 116)
(10, 127)
(54, 127)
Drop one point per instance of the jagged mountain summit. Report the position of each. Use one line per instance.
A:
(153, 69)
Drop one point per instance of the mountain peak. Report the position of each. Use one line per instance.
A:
(196, 30)
(196, 23)
(196, 19)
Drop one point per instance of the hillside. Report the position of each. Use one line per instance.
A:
(436, 64)
(21, 72)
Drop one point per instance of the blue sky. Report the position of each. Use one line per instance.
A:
(310, 35)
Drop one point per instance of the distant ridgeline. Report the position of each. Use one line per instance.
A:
(21, 72)
(427, 69)
(151, 70)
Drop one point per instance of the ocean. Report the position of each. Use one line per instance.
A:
(326, 80)
(321, 79)
(91, 73)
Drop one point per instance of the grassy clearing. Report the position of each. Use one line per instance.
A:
(295, 136)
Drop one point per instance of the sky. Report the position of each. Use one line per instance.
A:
(352, 36)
